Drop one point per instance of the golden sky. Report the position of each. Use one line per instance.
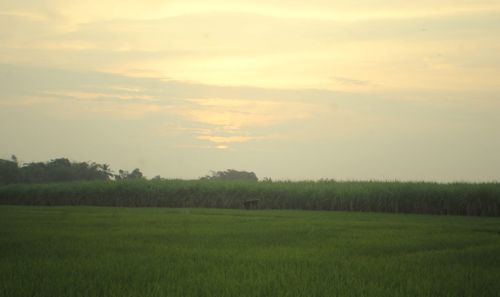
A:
(289, 89)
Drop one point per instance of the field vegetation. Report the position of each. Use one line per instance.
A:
(148, 252)
(396, 197)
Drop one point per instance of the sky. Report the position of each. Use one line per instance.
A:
(299, 90)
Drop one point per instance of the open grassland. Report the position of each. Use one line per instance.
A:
(405, 197)
(92, 251)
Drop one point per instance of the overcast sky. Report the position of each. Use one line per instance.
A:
(291, 89)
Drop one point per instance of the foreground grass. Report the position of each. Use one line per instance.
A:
(91, 251)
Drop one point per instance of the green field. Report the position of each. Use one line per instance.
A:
(94, 251)
(471, 199)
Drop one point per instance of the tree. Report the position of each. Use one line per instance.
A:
(231, 174)
(135, 174)
(9, 171)
(56, 170)
(157, 178)
(103, 171)
(123, 174)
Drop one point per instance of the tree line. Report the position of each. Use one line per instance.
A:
(59, 170)
(64, 170)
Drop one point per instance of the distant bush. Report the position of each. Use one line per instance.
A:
(123, 174)
(397, 197)
(231, 174)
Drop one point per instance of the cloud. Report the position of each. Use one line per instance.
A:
(175, 124)
(225, 139)
(256, 83)
(237, 112)
(256, 45)
(350, 81)
(104, 96)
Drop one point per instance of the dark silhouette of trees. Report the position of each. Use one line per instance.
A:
(57, 170)
(64, 170)
(157, 178)
(123, 174)
(9, 171)
(231, 174)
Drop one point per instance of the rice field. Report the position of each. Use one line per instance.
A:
(116, 251)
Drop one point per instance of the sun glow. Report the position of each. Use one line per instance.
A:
(360, 87)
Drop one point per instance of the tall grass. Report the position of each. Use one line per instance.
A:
(398, 197)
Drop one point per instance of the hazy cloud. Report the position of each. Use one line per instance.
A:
(299, 89)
